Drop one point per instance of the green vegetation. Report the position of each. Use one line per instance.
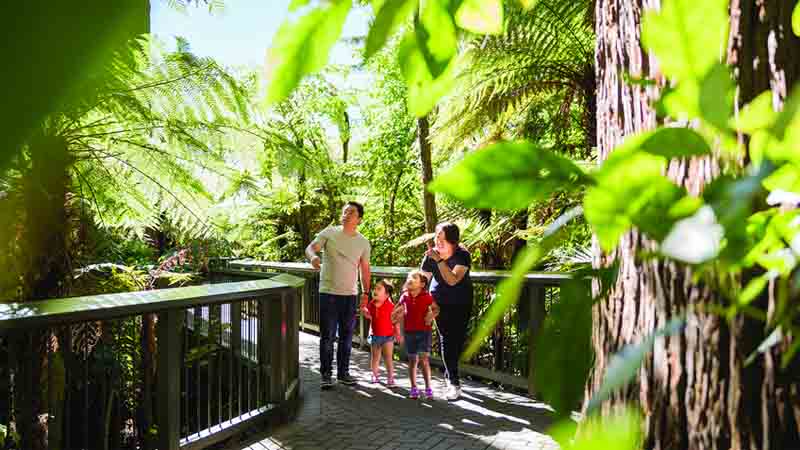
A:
(672, 185)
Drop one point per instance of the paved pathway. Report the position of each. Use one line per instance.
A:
(374, 417)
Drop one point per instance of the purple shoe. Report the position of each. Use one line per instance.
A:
(390, 382)
(374, 379)
(428, 394)
(414, 394)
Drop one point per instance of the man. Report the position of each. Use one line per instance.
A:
(345, 253)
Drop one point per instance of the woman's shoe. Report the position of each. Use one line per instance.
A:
(374, 379)
(414, 394)
(390, 382)
(428, 394)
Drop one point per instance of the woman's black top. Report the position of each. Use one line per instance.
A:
(443, 293)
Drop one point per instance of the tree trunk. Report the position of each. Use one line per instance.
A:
(429, 201)
(346, 137)
(44, 248)
(693, 388)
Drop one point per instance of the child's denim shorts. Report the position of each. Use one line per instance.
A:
(418, 342)
(378, 341)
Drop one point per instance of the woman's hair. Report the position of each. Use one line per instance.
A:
(451, 232)
(387, 286)
(421, 277)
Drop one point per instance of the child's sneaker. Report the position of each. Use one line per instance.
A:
(428, 393)
(390, 382)
(374, 379)
(414, 394)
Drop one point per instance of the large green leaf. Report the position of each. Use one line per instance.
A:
(390, 16)
(564, 350)
(785, 178)
(481, 16)
(620, 431)
(509, 175)
(624, 365)
(796, 19)
(716, 97)
(674, 143)
(301, 47)
(423, 90)
(687, 36)
(756, 115)
(436, 35)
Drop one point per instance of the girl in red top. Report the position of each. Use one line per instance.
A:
(420, 310)
(384, 332)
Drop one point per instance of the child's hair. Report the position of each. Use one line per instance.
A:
(387, 286)
(421, 277)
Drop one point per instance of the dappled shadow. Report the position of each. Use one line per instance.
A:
(374, 416)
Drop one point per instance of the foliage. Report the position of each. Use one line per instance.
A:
(728, 230)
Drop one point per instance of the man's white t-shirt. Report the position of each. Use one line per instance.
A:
(341, 254)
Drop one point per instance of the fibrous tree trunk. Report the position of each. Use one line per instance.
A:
(693, 387)
(44, 247)
(429, 201)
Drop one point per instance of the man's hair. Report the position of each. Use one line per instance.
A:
(359, 207)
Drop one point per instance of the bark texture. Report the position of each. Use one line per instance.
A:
(693, 387)
(429, 201)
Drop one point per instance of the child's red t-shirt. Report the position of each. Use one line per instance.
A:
(416, 308)
(381, 318)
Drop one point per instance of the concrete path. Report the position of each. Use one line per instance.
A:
(373, 417)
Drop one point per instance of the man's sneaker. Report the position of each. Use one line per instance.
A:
(326, 384)
(428, 393)
(414, 394)
(453, 393)
(346, 379)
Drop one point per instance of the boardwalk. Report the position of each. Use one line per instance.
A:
(374, 417)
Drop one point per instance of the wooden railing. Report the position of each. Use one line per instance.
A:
(506, 359)
(166, 369)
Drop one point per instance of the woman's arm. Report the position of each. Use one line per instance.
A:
(454, 276)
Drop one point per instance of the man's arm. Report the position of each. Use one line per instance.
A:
(311, 252)
(366, 280)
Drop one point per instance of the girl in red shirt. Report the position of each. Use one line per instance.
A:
(420, 311)
(384, 332)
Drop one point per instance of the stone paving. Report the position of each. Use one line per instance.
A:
(373, 417)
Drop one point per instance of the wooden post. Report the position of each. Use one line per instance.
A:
(170, 362)
(275, 328)
(536, 299)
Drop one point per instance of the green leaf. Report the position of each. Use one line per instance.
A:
(716, 97)
(301, 47)
(509, 175)
(390, 16)
(436, 36)
(563, 356)
(785, 178)
(796, 19)
(297, 4)
(481, 16)
(620, 431)
(527, 5)
(675, 143)
(624, 365)
(612, 206)
(423, 90)
(687, 36)
(756, 115)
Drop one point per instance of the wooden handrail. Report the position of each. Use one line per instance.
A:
(479, 276)
(14, 316)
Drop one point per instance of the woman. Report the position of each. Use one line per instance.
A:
(447, 266)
